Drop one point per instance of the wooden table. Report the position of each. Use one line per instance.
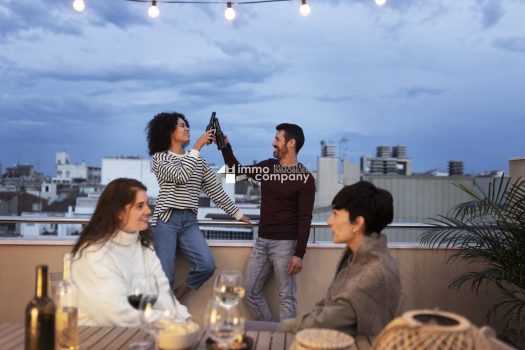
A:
(113, 338)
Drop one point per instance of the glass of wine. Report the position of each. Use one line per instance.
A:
(143, 294)
(224, 324)
(228, 288)
(142, 284)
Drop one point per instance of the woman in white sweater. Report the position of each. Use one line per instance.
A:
(114, 247)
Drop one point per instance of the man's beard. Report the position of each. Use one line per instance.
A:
(279, 153)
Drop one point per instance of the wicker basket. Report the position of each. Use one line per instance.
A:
(322, 339)
(430, 329)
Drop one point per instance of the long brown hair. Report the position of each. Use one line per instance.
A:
(105, 221)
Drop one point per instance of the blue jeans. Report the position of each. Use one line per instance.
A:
(267, 256)
(182, 230)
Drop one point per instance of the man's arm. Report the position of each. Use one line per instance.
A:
(231, 161)
(305, 206)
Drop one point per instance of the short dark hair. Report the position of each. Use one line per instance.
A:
(292, 131)
(364, 199)
(159, 130)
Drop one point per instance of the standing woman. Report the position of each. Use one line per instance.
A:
(181, 176)
(114, 247)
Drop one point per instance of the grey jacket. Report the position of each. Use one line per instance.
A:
(363, 296)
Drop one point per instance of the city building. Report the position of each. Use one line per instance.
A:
(68, 173)
(388, 161)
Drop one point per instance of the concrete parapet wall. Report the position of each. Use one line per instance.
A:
(425, 278)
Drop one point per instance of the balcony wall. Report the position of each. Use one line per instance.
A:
(425, 277)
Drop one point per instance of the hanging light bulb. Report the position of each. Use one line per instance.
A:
(305, 9)
(380, 2)
(79, 5)
(153, 11)
(230, 12)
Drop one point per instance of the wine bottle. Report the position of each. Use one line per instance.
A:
(66, 301)
(40, 316)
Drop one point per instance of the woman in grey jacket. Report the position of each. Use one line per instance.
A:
(364, 294)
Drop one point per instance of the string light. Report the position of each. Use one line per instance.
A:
(153, 10)
(230, 12)
(79, 5)
(305, 9)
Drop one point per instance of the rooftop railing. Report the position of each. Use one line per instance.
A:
(315, 236)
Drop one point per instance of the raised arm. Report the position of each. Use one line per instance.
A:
(170, 168)
(231, 161)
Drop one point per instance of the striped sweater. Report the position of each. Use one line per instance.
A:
(181, 178)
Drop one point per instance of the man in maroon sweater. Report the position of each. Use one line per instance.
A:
(287, 199)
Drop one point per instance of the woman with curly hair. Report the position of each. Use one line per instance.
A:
(114, 247)
(181, 176)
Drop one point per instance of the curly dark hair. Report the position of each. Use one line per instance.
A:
(374, 204)
(105, 221)
(159, 130)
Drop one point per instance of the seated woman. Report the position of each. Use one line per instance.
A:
(113, 247)
(364, 294)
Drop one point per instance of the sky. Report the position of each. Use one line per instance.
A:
(445, 78)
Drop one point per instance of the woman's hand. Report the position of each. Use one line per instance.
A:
(205, 139)
(246, 220)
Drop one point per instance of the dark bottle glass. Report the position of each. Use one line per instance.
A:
(40, 316)
(211, 124)
(219, 136)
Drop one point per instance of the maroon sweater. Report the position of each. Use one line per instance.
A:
(287, 198)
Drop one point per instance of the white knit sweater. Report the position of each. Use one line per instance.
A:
(103, 274)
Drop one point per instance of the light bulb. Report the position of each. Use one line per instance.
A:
(305, 9)
(153, 11)
(230, 12)
(79, 5)
(380, 2)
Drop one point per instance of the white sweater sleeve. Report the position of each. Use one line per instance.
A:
(164, 300)
(103, 291)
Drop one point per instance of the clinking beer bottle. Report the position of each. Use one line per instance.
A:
(40, 316)
(211, 124)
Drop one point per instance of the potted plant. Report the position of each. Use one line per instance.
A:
(489, 229)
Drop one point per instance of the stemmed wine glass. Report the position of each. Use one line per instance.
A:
(143, 295)
(224, 324)
(228, 288)
(142, 284)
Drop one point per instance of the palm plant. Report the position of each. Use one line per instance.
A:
(489, 229)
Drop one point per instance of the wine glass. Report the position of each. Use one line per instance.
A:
(144, 291)
(228, 288)
(224, 324)
(142, 284)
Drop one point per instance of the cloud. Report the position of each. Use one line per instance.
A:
(339, 98)
(223, 72)
(513, 44)
(491, 12)
(417, 91)
(28, 19)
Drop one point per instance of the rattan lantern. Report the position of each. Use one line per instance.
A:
(430, 329)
